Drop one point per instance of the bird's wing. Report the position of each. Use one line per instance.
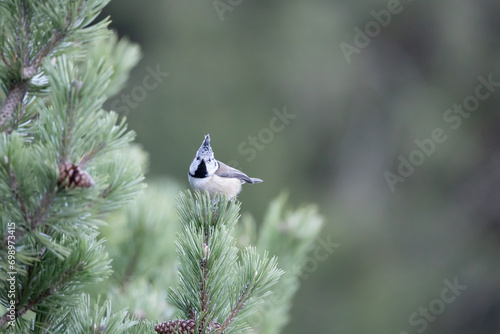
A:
(227, 171)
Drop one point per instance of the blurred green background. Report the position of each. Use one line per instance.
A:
(353, 119)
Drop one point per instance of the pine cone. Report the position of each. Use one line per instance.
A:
(176, 326)
(213, 325)
(70, 175)
(182, 327)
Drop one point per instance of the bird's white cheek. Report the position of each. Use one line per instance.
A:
(193, 166)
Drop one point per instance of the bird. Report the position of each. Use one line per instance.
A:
(207, 174)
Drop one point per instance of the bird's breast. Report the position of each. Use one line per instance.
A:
(215, 184)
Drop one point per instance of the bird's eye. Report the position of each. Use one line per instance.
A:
(198, 158)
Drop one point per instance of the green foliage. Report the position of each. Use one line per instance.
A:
(34, 28)
(290, 235)
(144, 327)
(94, 318)
(140, 239)
(217, 284)
(120, 55)
(54, 131)
(206, 214)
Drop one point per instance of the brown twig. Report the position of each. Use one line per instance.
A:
(38, 217)
(12, 101)
(90, 155)
(18, 195)
(42, 210)
(204, 291)
(4, 59)
(20, 88)
(242, 300)
(4, 319)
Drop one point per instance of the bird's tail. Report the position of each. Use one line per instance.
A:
(255, 180)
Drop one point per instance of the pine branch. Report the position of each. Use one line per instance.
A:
(32, 58)
(237, 307)
(26, 28)
(36, 220)
(52, 283)
(19, 88)
(87, 157)
(20, 312)
(98, 318)
(140, 240)
(42, 210)
(289, 235)
(52, 119)
(74, 104)
(62, 281)
(32, 221)
(68, 130)
(210, 273)
(13, 101)
(204, 290)
(5, 61)
(18, 195)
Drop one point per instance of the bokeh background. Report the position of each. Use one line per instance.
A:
(355, 118)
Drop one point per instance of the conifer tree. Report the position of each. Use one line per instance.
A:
(150, 266)
(64, 160)
(218, 285)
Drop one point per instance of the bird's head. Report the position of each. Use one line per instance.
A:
(204, 163)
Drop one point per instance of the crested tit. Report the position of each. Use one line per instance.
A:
(208, 174)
